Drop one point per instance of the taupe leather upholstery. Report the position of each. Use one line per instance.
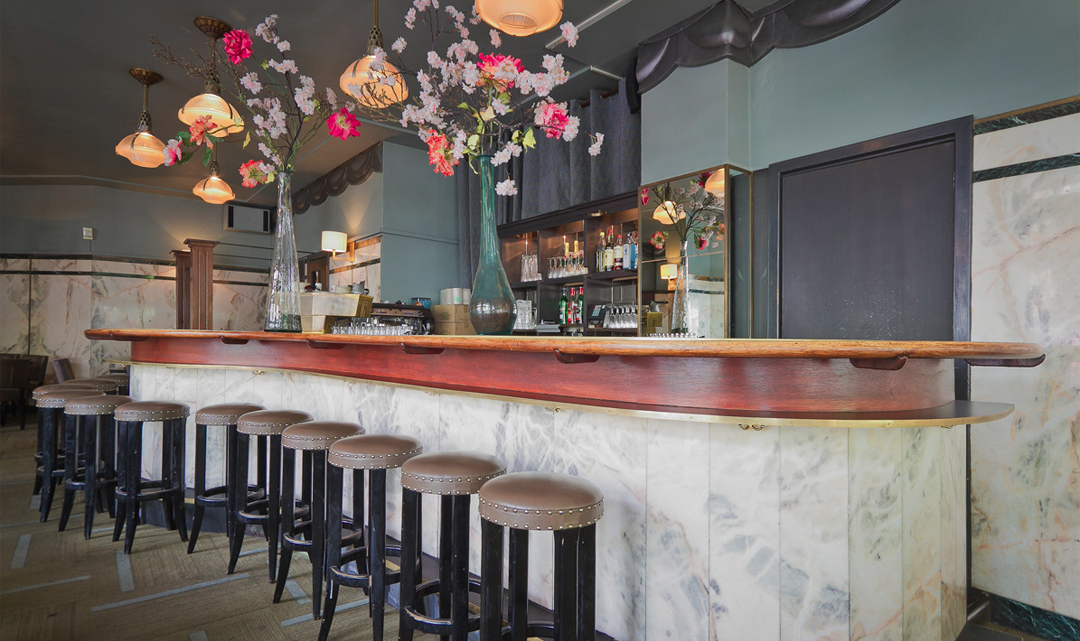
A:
(225, 414)
(95, 405)
(95, 383)
(121, 379)
(317, 435)
(541, 501)
(269, 422)
(373, 451)
(59, 398)
(151, 411)
(450, 472)
(60, 387)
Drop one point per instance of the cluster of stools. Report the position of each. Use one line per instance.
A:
(90, 439)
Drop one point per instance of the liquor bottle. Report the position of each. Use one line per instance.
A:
(626, 253)
(634, 252)
(581, 306)
(609, 252)
(563, 309)
(618, 253)
(598, 266)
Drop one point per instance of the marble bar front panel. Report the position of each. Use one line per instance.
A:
(710, 532)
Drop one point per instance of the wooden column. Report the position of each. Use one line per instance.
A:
(202, 283)
(183, 288)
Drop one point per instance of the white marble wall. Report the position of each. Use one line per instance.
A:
(365, 268)
(1025, 471)
(710, 532)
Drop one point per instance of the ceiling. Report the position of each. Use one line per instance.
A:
(66, 98)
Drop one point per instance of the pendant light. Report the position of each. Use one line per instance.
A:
(210, 103)
(520, 17)
(142, 148)
(715, 184)
(213, 189)
(668, 213)
(364, 84)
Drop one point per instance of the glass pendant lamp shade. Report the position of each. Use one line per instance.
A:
(369, 90)
(143, 149)
(715, 184)
(210, 104)
(668, 213)
(213, 189)
(520, 17)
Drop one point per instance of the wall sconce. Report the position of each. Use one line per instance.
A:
(334, 242)
(669, 271)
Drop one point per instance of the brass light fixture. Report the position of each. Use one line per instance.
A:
(520, 17)
(364, 84)
(142, 148)
(213, 189)
(210, 103)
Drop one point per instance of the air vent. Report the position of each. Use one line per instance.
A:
(250, 219)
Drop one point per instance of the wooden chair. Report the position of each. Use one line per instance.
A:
(63, 370)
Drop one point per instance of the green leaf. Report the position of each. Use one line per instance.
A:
(247, 139)
(516, 137)
(207, 155)
(185, 137)
(184, 158)
(472, 141)
(504, 97)
(530, 139)
(465, 105)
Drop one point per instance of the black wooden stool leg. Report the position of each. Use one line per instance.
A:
(71, 467)
(176, 477)
(410, 509)
(200, 485)
(48, 461)
(240, 495)
(90, 471)
(107, 440)
(377, 548)
(459, 628)
(273, 508)
(123, 458)
(334, 489)
(134, 483)
(288, 505)
(318, 530)
(446, 557)
(491, 580)
(519, 584)
(231, 455)
(41, 414)
(566, 551)
(260, 474)
(587, 584)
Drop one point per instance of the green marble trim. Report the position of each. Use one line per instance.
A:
(1029, 117)
(1032, 167)
(121, 259)
(1027, 618)
(25, 272)
(347, 268)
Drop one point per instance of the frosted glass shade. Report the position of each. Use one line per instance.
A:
(520, 17)
(221, 113)
(367, 89)
(668, 213)
(143, 149)
(715, 184)
(669, 271)
(214, 190)
(334, 241)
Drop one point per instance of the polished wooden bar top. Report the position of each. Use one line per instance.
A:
(752, 382)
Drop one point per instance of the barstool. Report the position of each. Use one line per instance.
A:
(226, 415)
(570, 507)
(267, 425)
(50, 411)
(98, 384)
(98, 448)
(454, 476)
(122, 381)
(312, 440)
(375, 453)
(132, 489)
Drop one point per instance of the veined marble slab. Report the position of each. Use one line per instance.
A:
(14, 313)
(1036, 141)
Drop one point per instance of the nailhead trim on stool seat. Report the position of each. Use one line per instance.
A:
(121, 379)
(151, 411)
(541, 501)
(270, 422)
(374, 451)
(95, 405)
(450, 472)
(59, 387)
(95, 383)
(58, 399)
(317, 435)
(225, 414)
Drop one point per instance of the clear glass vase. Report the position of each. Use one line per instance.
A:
(680, 300)
(283, 294)
(493, 309)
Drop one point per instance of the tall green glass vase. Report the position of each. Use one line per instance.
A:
(493, 309)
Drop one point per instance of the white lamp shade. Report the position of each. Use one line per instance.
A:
(365, 85)
(143, 149)
(221, 113)
(520, 17)
(667, 213)
(669, 271)
(334, 241)
(213, 190)
(715, 184)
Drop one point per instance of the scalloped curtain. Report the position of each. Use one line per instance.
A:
(557, 175)
(351, 172)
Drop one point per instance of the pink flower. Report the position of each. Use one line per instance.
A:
(438, 150)
(174, 152)
(658, 240)
(498, 70)
(569, 33)
(343, 124)
(702, 241)
(199, 129)
(237, 46)
(254, 172)
(644, 195)
(553, 119)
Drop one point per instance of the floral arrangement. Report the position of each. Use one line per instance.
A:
(472, 103)
(693, 212)
(284, 106)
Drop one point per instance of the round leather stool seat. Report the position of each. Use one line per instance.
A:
(151, 411)
(95, 383)
(317, 435)
(374, 451)
(268, 422)
(541, 501)
(60, 398)
(450, 472)
(99, 405)
(59, 387)
(121, 379)
(225, 414)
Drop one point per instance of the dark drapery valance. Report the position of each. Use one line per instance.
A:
(726, 30)
(351, 172)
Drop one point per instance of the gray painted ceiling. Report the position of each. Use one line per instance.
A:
(67, 98)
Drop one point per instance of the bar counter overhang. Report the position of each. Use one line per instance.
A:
(792, 529)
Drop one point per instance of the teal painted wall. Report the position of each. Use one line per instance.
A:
(358, 212)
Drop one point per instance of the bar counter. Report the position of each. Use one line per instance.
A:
(734, 508)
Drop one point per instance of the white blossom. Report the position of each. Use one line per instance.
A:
(250, 81)
(569, 33)
(594, 149)
(496, 39)
(506, 188)
(283, 46)
(399, 45)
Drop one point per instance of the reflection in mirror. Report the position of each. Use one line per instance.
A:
(684, 255)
